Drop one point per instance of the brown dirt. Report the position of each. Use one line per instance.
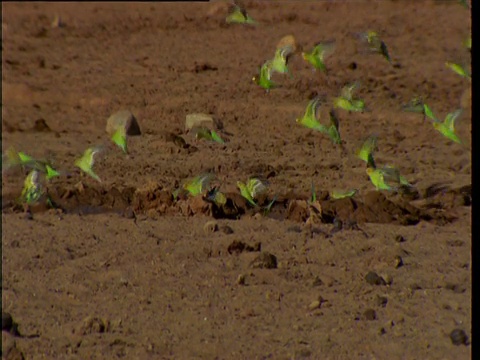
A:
(125, 271)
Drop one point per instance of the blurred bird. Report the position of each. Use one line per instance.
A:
(280, 60)
(198, 184)
(377, 177)
(86, 162)
(365, 153)
(32, 189)
(214, 195)
(447, 127)
(207, 134)
(416, 105)
(346, 101)
(119, 137)
(317, 56)
(468, 43)
(309, 118)
(13, 158)
(333, 130)
(238, 15)
(251, 190)
(342, 194)
(375, 44)
(264, 79)
(459, 70)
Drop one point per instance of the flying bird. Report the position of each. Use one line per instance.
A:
(316, 57)
(346, 101)
(119, 137)
(459, 70)
(447, 127)
(238, 15)
(333, 130)
(198, 184)
(207, 134)
(375, 44)
(309, 119)
(32, 189)
(280, 59)
(14, 158)
(86, 162)
(365, 153)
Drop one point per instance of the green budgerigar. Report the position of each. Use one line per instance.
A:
(251, 189)
(86, 162)
(346, 101)
(207, 134)
(119, 137)
(416, 105)
(216, 196)
(375, 44)
(447, 127)
(333, 130)
(239, 15)
(32, 189)
(280, 59)
(309, 119)
(335, 194)
(13, 158)
(365, 153)
(317, 56)
(198, 184)
(265, 76)
(377, 178)
(459, 70)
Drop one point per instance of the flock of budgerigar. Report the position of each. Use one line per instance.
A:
(386, 177)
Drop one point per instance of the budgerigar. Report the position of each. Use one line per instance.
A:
(458, 69)
(447, 127)
(32, 189)
(198, 184)
(317, 56)
(365, 153)
(346, 101)
(280, 59)
(251, 190)
(264, 78)
(239, 15)
(214, 195)
(119, 137)
(375, 44)
(13, 158)
(86, 162)
(335, 194)
(207, 134)
(309, 118)
(333, 130)
(377, 178)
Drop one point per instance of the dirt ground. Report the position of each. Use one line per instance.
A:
(124, 271)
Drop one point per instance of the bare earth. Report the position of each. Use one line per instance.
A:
(125, 271)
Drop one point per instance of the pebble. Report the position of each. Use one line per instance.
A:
(199, 119)
(370, 314)
(210, 227)
(398, 262)
(459, 337)
(264, 261)
(374, 279)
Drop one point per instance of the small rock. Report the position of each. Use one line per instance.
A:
(456, 288)
(226, 229)
(398, 262)
(459, 337)
(288, 40)
(210, 227)
(129, 213)
(374, 279)
(317, 281)
(241, 279)
(316, 304)
(238, 247)
(92, 325)
(7, 321)
(264, 261)
(388, 279)
(400, 239)
(199, 119)
(370, 314)
(381, 301)
(294, 228)
(123, 118)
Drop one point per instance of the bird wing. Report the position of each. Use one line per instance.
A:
(324, 48)
(368, 147)
(255, 187)
(450, 119)
(312, 107)
(347, 91)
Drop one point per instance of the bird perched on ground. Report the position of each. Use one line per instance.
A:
(238, 15)
(375, 44)
(207, 134)
(86, 162)
(119, 137)
(346, 101)
(447, 127)
(264, 78)
(216, 196)
(198, 184)
(459, 70)
(281, 58)
(253, 188)
(32, 189)
(317, 56)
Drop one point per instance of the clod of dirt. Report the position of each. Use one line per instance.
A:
(9, 348)
(210, 227)
(198, 119)
(128, 213)
(238, 247)
(7, 321)
(264, 261)
(459, 337)
(316, 304)
(370, 314)
(288, 40)
(294, 228)
(374, 279)
(197, 68)
(123, 118)
(234, 207)
(381, 301)
(241, 279)
(227, 230)
(456, 288)
(400, 239)
(41, 126)
(92, 325)
(297, 210)
(398, 262)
